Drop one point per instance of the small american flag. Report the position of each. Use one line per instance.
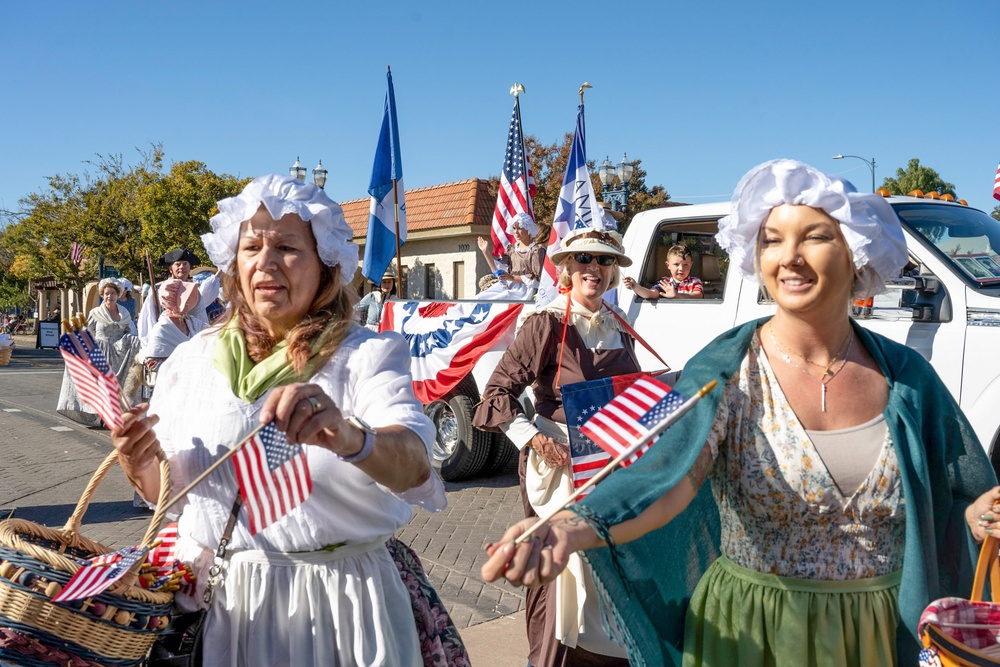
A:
(581, 400)
(996, 184)
(273, 476)
(93, 378)
(517, 184)
(99, 573)
(164, 554)
(76, 253)
(631, 415)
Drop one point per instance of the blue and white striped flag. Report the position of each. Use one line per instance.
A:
(576, 208)
(380, 244)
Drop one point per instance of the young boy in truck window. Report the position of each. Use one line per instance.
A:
(679, 284)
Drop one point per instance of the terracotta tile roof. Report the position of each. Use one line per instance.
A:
(456, 204)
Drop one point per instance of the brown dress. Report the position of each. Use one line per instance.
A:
(533, 360)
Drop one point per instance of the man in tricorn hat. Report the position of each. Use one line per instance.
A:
(179, 262)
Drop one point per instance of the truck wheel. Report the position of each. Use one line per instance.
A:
(460, 451)
(501, 452)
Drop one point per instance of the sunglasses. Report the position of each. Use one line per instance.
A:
(602, 260)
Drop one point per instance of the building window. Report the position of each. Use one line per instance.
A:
(429, 276)
(458, 280)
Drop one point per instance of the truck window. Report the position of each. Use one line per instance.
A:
(709, 262)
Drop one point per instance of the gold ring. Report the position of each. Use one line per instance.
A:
(314, 402)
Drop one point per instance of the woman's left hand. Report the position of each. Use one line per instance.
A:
(308, 416)
(983, 515)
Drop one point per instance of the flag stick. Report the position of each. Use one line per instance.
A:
(152, 286)
(211, 468)
(662, 426)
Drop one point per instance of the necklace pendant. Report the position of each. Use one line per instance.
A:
(827, 372)
(822, 397)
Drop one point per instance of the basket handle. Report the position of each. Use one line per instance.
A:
(989, 560)
(73, 523)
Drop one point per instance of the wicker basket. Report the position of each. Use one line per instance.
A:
(5, 353)
(115, 628)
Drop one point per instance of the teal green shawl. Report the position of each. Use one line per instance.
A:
(647, 583)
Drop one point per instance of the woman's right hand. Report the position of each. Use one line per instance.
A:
(484, 245)
(137, 446)
(539, 559)
(552, 452)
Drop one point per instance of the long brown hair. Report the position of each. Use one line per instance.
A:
(329, 317)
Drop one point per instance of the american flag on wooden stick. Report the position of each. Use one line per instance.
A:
(517, 184)
(273, 476)
(630, 415)
(100, 573)
(93, 378)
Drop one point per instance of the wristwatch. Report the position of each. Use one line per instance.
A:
(366, 448)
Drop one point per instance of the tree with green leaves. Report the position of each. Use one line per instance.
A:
(917, 177)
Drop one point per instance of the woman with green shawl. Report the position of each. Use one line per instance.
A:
(317, 586)
(847, 488)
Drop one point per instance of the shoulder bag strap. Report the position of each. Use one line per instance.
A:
(215, 571)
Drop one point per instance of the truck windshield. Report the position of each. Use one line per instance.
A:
(967, 238)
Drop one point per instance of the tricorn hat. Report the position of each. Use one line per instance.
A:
(178, 255)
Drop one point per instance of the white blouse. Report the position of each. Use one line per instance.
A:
(201, 419)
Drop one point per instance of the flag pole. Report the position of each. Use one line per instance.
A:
(395, 213)
(662, 426)
(225, 457)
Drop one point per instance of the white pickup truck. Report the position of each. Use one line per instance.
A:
(945, 305)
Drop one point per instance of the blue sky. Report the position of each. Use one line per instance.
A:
(700, 90)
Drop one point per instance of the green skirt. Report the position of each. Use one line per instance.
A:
(741, 617)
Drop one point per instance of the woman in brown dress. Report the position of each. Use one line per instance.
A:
(576, 337)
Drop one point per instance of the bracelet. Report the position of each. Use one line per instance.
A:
(366, 447)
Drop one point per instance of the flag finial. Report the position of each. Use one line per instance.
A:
(516, 89)
(585, 85)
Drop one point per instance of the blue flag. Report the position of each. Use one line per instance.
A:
(380, 244)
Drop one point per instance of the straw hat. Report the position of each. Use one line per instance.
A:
(591, 240)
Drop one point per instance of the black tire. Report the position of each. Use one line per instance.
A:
(460, 450)
(502, 451)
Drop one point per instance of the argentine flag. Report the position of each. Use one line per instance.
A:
(380, 244)
(577, 207)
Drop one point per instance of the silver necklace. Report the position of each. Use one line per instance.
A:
(828, 372)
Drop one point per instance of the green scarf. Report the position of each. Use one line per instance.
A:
(248, 380)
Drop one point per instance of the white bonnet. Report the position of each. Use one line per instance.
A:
(106, 282)
(524, 221)
(126, 284)
(282, 195)
(868, 223)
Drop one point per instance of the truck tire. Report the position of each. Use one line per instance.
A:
(460, 451)
(502, 451)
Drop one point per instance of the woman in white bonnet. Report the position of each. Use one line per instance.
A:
(847, 487)
(318, 585)
(520, 266)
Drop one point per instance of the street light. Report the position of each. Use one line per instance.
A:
(607, 172)
(297, 171)
(870, 163)
(319, 175)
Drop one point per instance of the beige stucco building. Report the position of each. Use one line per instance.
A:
(441, 259)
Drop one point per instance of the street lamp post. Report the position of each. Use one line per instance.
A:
(607, 172)
(870, 163)
(298, 172)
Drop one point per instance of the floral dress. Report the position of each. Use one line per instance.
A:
(800, 557)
